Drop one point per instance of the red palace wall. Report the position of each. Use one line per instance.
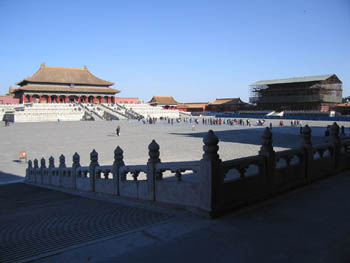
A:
(8, 100)
(127, 100)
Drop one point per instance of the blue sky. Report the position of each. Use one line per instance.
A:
(192, 50)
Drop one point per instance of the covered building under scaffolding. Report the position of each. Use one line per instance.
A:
(316, 93)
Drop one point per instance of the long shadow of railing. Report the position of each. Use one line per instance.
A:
(252, 136)
(6, 178)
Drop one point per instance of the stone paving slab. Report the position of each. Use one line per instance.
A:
(37, 221)
(310, 224)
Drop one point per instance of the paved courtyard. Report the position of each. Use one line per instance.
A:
(42, 225)
(177, 143)
(310, 224)
(37, 221)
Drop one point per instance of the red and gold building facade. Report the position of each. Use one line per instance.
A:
(167, 102)
(227, 104)
(63, 85)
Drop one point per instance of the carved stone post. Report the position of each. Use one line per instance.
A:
(42, 167)
(92, 167)
(29, 171)
(75, 165)
(36, 168)
(153, 152)
(269, 154)
(211, 176)
(306, 145)
(51, 166)
(51, 162)
(62, 161)
(336, 144)
(61, 166)
(118, 162)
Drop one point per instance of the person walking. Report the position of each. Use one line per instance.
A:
(118, 130)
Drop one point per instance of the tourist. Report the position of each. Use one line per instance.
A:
(118, 130)
(342, 131)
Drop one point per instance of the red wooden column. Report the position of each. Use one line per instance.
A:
(79, 99)
(39, 98)
(49, 99)
(30, 98)
(66, 99)
(94, 99)
(57, 99)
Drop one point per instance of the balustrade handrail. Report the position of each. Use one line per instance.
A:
(114, 111)
(132, 168)
(328, 146)
(289, 152)
(130, 112)
(81, 168)
(184, 164)
(244, 160)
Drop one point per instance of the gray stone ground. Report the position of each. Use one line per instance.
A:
(310, 224)
(177, 143)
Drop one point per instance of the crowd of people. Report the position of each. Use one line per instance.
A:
(293, 123)
(204, 121)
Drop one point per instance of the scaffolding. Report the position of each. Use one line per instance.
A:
(294, 95)
(255, 93)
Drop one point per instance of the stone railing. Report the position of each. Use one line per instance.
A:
(206, 187)
(117, 114)
(91, 111)
(129, 112)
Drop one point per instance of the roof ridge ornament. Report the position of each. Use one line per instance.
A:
(85, 67)
(42, 65)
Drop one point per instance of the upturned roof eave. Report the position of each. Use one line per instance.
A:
(90, 79)
(69, 90)
(163, 100)
(25, 81)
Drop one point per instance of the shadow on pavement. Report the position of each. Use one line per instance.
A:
(6, 178)
(282, 137)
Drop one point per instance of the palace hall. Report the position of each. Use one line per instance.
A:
(317, 93)
(62, 85)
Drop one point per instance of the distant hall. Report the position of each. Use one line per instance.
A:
(64, 85)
